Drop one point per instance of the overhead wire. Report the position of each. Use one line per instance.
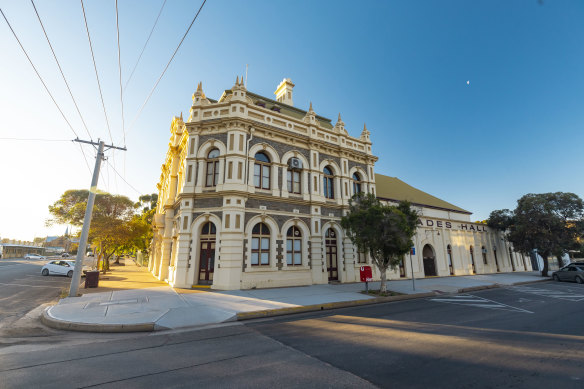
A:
(36, 139)
(120, 70)
(123, 179)
(38, 74)
(145, 44)
(60, 69)
(166, 67)
(96, 74)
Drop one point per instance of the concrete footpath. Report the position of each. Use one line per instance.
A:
(130, 299)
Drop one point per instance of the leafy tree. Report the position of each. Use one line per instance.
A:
(111, 213)
(382, 230)
(552, 223)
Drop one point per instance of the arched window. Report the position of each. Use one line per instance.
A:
(294, 247)
(328, 183)
(472, 259)
(212, 175)
(511, 258)
(261, 171)
(484, 252)
(449, 253)
(357, 185)
(260, 245)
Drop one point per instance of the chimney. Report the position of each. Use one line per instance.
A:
(284, 92)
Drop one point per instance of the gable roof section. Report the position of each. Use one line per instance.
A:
(392, 188)
(285, 109)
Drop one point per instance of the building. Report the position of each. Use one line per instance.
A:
(252, 191)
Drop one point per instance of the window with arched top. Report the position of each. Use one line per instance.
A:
(212, 171)
(472, 259)
(261, 171)
(328, 183)
(484, 252)
(449, 254)
(357, 183)
(260, 245)
(294, 246)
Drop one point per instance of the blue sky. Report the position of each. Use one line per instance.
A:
(400, 66)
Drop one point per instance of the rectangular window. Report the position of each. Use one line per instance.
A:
(227, 221)
(265, 177)
(315, 185)
(189, 173)
(237, 221)
(231, 140)
(293, 178)
(239, 170)
(256, 175)
(192, 150)
(185, 222)
(230, 170)
(240, 142)
(346, 190)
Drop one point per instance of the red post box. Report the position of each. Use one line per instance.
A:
(365, 273)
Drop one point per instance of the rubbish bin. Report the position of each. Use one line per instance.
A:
(91, 279)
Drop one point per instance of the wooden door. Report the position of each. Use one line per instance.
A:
(331, 255)
(207, 262)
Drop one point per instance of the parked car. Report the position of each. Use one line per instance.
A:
(572, 272)
(65, 255)
(61, 267)
(33, 256)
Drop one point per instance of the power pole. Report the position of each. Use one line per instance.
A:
(88, 211)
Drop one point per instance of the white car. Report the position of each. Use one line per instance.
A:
(34, 256)
(61, 267)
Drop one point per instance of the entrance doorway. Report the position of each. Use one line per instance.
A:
(207, 254)
(429, 261)
(331, 254)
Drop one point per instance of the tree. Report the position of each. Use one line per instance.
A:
(111, 213)
(551, 223)
(382, 230)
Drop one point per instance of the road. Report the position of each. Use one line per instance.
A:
(517, 337)
(22, 289)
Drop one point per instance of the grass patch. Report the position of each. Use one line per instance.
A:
(376, 293)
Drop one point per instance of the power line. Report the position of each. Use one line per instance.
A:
(96, 75)
(120, 71)
(115, 171)
(38, 74)
(36, 139)
(145, 44)
(60, 69)
(167, 65)
(85, 158)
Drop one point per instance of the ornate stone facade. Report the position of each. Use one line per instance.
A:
(252, 191)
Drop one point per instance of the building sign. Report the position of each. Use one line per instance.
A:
(452, 225)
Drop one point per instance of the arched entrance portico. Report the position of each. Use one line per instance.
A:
(207, 253)
(429, 261)
(331, 255)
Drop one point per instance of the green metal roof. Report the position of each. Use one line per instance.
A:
(392, 188)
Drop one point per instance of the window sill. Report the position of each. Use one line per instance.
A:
(260, 268)
(296, 268)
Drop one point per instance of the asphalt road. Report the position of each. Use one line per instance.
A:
(518, 337)
(23, 288)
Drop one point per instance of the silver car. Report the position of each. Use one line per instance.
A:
(572, 272)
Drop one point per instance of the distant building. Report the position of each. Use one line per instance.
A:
(252, 191)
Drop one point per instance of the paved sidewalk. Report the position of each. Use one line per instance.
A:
(131, 299)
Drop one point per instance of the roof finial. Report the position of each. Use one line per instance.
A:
(340, 117)
(236, 80)
(200, 86)
(181, 118)
(310, 108)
